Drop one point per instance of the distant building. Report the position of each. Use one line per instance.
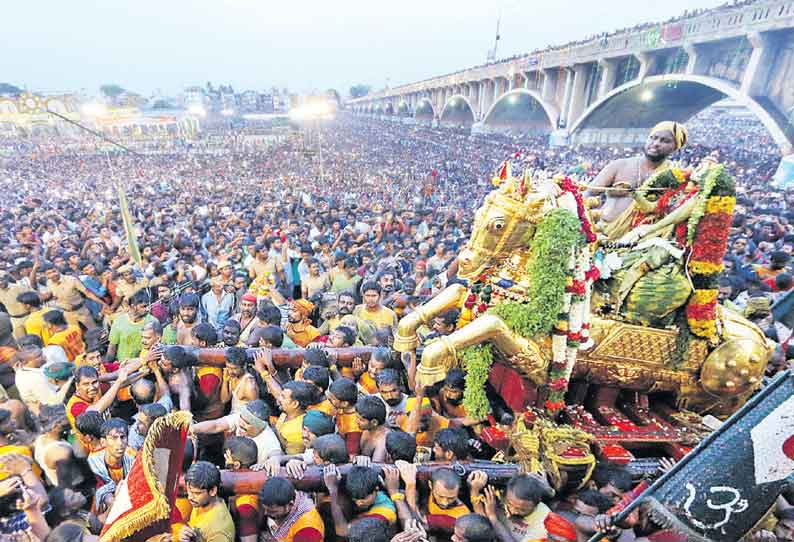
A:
(228, 100)
(249, 101)
(195, 95)
(266, 103)
(281, 103)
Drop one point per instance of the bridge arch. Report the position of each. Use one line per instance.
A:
(638, 105)
(424, 110)
(458, 110)
(538, 114)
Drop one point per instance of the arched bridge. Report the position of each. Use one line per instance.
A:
(613, 88)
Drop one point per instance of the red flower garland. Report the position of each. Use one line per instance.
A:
(706, 252)
(663, 204)
(592, 274)
(558, 367)
(568, 185)
(578, 287)
(560, 384)
(555, 406)
(711, 237)
(706, 311)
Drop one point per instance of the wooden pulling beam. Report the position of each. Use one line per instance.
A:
(250, 482)
(291, 358)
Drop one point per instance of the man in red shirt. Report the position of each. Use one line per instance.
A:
(87, 392)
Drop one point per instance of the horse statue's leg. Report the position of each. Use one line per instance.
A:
(449, 298)
(442, 354)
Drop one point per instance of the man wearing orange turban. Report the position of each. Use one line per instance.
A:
(299, 327)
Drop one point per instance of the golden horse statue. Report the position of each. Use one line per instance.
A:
(714, 376)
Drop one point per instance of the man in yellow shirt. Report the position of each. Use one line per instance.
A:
(210, 520)
(68, 337)
(34, 323)
(372, 310)
(378, 361)
(294, 398)
(299, 327)
(444, 506)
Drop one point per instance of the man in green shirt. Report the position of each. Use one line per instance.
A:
(347, 279)
(125, 333)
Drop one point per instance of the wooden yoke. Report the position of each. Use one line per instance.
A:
(290, 358)
(250, 482)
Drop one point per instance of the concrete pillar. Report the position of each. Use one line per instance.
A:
(566, 97)
(488, 99)
(474, 98)
(478, 99)
(697, 63)
(647, 63)
(756, 74)
(609, 73)
(549, 88)
(535, 80)
(494, 90)
(483, 90)
(578, 95)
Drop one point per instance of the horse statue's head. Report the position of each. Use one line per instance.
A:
(503, 225)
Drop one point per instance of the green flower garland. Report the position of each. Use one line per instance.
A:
(477, 364)
(547, 268)
(663, 179)
(551, 249)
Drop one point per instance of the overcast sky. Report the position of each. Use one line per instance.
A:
(145, 45)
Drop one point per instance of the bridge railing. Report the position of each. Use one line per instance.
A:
(717, 23)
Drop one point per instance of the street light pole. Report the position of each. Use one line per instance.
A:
(320, 150)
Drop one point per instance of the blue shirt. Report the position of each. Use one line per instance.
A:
(217, 311)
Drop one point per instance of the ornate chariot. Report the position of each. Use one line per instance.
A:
(568, 347)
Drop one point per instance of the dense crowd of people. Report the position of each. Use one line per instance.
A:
(293, 247)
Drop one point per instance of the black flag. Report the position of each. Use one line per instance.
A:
(724, 487)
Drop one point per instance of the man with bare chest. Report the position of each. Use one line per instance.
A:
(178, 332)
(371, 418)
(620, 178)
